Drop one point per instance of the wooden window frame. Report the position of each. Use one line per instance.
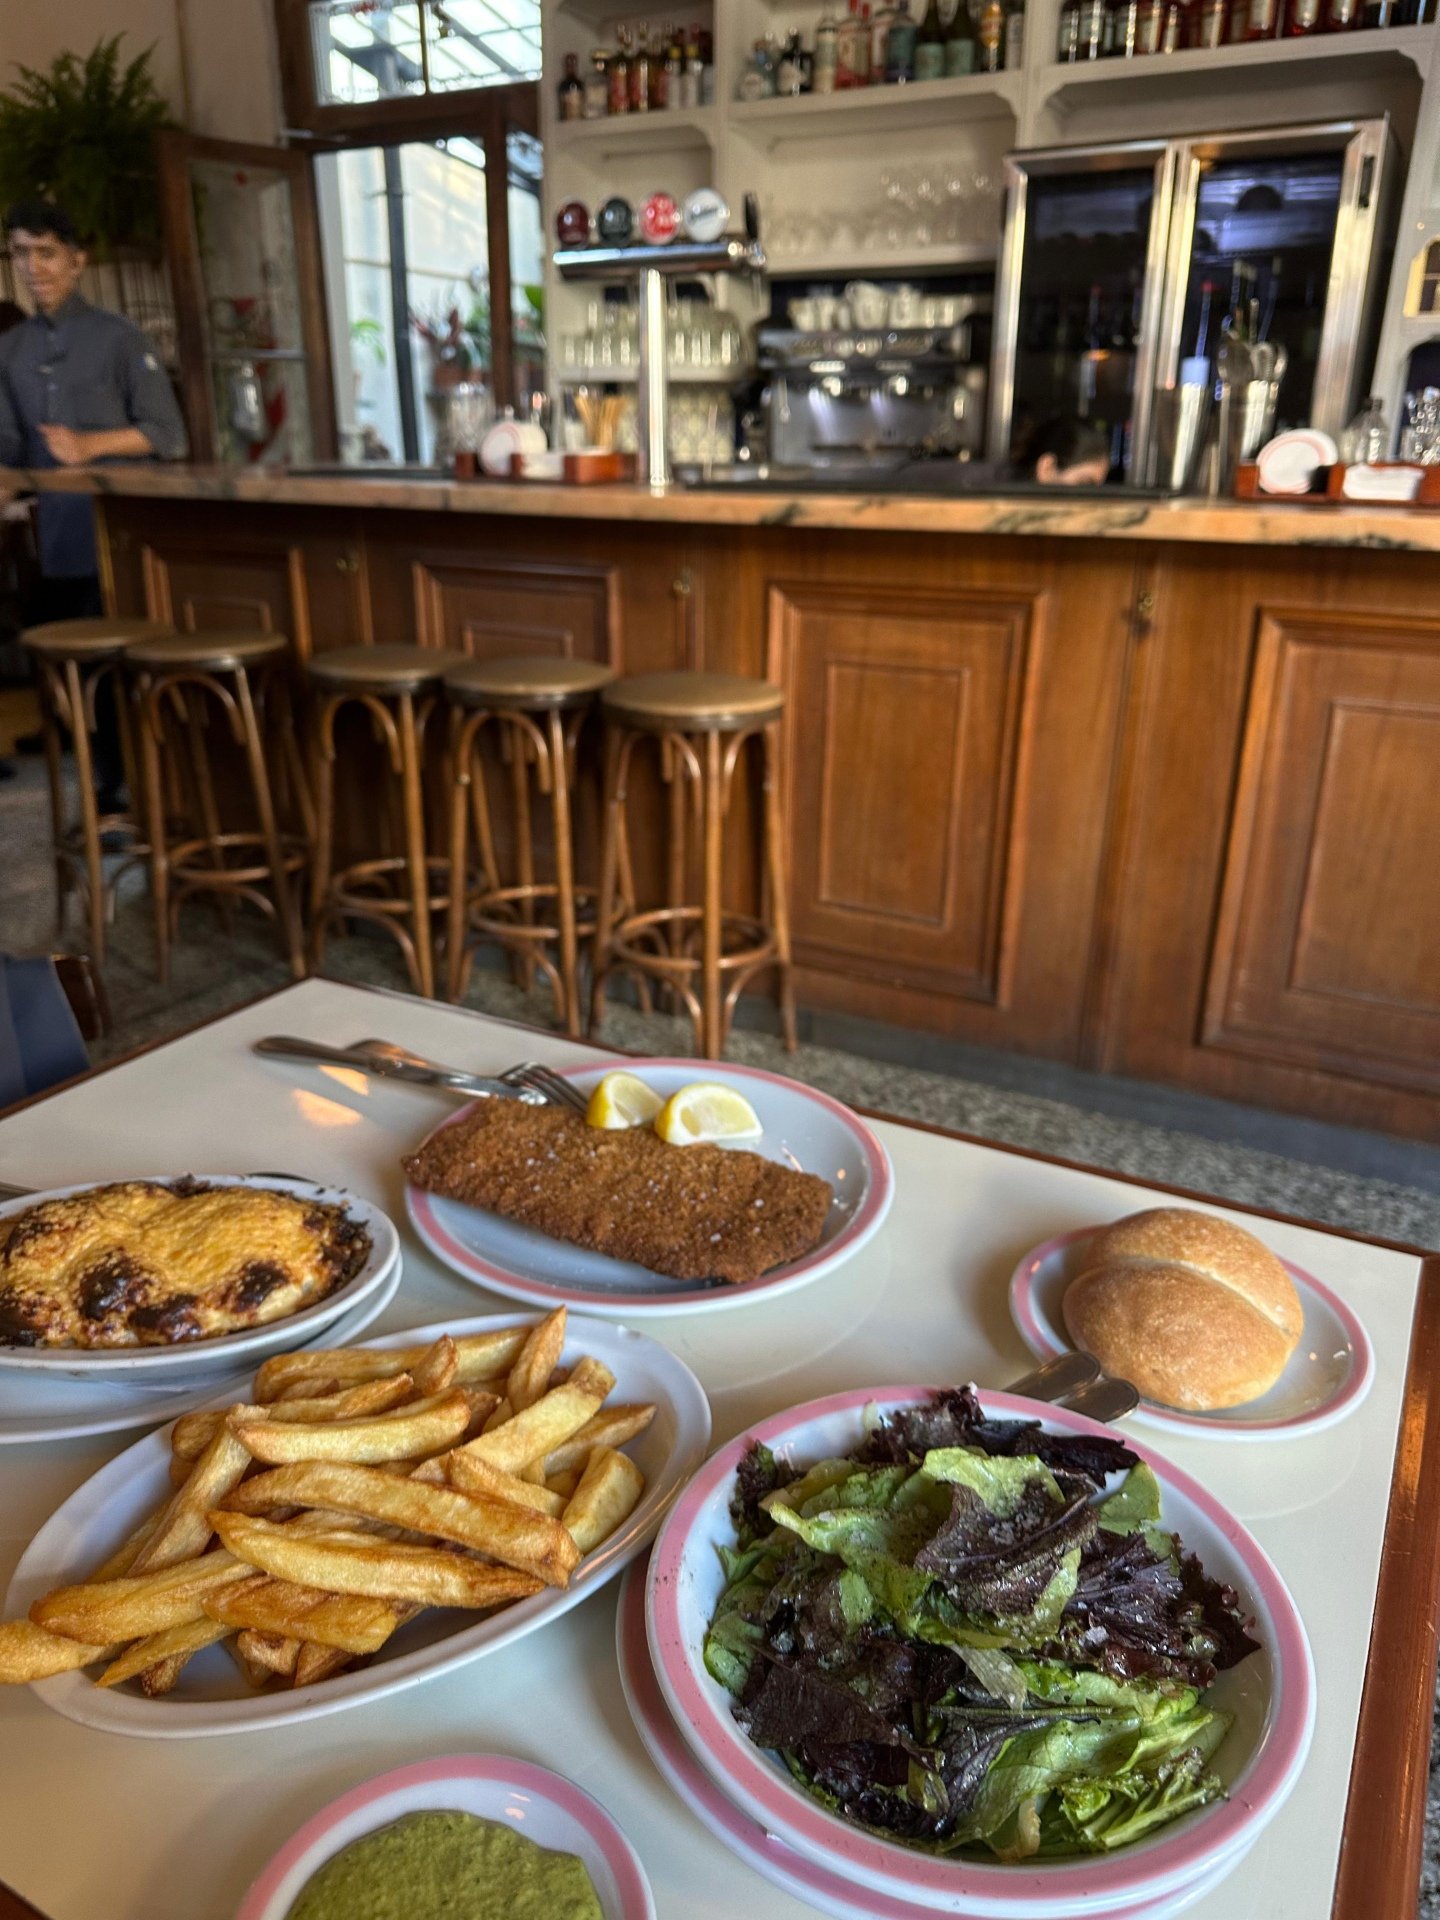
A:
(486, 115)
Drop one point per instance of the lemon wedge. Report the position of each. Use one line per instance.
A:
(622, 1100)
(707, 1111)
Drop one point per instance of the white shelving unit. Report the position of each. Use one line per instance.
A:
(824, 154)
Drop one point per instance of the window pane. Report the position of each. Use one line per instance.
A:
(447, 278)
(527, 264)
(388, 49)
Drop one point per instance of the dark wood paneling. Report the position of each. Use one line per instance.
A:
(924, 692)
(489, 608)
(1327, 951)
(1272, 924)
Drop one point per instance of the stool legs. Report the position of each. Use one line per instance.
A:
(712, 1013)
(148, 709)
(75, 716)
(564, 876)
(518, 748)
(324, 764)
(417, 870)
(188, 702)
(269, 833)
(612, 828)
(50, 734)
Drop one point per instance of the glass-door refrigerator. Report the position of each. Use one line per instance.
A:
(1120, 262)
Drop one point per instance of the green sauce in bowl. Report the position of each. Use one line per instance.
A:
(448, 1866)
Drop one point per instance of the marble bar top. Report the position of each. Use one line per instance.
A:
(1206, 522)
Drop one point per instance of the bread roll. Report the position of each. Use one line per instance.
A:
(1197, 1313)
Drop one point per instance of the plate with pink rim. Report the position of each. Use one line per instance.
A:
(770, 1857)
(804, 1128)
(1270, 1695)
(1325, 1379)
(540, 1805)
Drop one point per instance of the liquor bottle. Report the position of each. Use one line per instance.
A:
(1091, 29)
(597, 86)
(1342, 15)
(900, 47)
(863, 46)
(962, 44)
(1014, 35)
(1172, 27)
(620, 73)
(1264, 20)
(1302, 17)
(881, 22)
(827, 35)
(1068, 45)
(790, 70)
(930, 44)
(572, 91)
(1378, 13)
(1238, 28)
(640, 72)
(1209, 21)
(1367, 438)
(692, 79)
(847, 49)
(992, 37)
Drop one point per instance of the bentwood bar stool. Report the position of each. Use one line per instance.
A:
(399, 687)
(181, 680)
(80, 662)
(530, 712)
(702, 722)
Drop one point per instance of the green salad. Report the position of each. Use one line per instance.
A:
(957, 1638)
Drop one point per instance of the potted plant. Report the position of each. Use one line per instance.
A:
(82, 132)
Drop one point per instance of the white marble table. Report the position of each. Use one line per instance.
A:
(98, 1827)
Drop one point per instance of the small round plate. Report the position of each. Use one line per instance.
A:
(38, 1407)
(540, 1805)
(1270, 1695)
(803, 1128)
(1327, 1376)
(212, 1698)
(210, 1360)
(806, 1879)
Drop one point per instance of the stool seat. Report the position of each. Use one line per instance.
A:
(532, 683)
(90, 639)
(692, 702)
(384, 669)
(217, 649)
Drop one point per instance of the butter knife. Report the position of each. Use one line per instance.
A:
(386, 1066)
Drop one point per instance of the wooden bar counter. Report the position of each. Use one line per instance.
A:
(1150, 787)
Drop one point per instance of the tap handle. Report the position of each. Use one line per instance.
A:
(752, 217)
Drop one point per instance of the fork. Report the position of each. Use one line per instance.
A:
(551, 1086)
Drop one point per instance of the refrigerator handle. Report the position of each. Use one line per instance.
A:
(1367, 183)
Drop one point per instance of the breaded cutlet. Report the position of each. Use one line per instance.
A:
(694, 1213)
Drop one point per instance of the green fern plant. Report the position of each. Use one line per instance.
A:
(82, 132)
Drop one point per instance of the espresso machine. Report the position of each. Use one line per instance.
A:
(852, 402)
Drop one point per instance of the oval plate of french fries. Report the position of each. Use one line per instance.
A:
(366, 1518)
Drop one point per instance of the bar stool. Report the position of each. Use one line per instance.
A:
(74, 658)
(535, 708)
(702, 722)
(399, 687)
(243, 673)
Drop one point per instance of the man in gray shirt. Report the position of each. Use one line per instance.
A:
(77, 385)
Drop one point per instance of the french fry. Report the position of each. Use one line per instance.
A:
(478, 1357)
(611, 1427)
(388, 1570)
(529, 1378)
(541, 1428)
(314, 1663)
(193, 1432)
(482, 1403)
(256, 1674)
(564, 1484)
(437, 1370)
(501, 1412)
(161, 1650)
(409, 1433)
(353, 1622)
(472, 1475)
(517, 1536)
(29, 1652)
(138, 1604)
(270, 1653)
(184, 1531)
(609, 1492)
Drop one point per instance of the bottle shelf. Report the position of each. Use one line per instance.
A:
(880, 262)
(923, 103)
(675, 377)
(1365, 55)
(669, 128)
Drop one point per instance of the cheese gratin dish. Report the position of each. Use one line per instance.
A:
(140, 1264)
